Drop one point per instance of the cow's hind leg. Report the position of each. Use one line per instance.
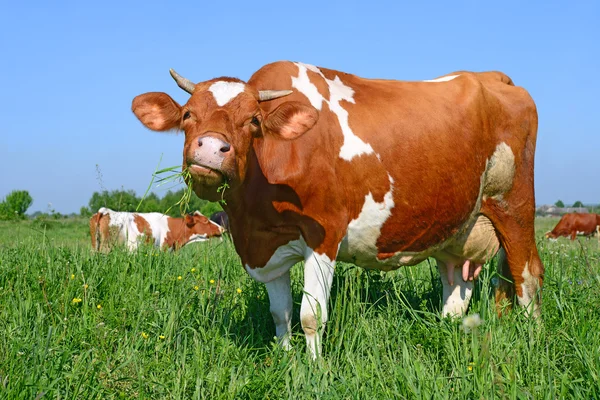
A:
(522, 265)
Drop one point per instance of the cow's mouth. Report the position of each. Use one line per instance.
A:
(205, 175)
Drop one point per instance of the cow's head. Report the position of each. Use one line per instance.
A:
(220, 120)
(199, 228)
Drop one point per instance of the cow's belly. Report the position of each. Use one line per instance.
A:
(476, 241)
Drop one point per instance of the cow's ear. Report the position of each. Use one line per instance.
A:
(157, 111)
(291, 120)
(189, 220)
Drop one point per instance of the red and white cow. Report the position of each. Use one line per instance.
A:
(324, 165)
(108, 227)
(571, 225)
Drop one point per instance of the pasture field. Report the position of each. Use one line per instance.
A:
(192, 324)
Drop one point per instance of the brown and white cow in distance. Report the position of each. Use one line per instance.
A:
(108, 227)
(323, 165)
(571, 225)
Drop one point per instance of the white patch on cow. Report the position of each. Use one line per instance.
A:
(124, 222)
(500, 172)
(353, 145)
(455, 297)
(159, 225)
(529, 288)
(442, 79)
(318, 277)
(224, 92)
(196, 237)
(303, 84)
(360, 243)
(280, 262)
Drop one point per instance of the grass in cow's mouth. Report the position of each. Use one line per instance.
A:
(173, 176)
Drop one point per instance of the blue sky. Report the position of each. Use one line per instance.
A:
(69, 71)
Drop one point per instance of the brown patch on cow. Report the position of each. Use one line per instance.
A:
(182, 229)
(144, 228)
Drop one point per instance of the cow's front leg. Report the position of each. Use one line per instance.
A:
(280, 299)
(318, 277)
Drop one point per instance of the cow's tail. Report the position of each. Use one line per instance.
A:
(95, 230)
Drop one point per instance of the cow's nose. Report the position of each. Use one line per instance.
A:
(214, 143)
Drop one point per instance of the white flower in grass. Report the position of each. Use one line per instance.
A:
(471, 322)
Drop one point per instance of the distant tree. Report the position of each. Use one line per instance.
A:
(15, 205)
(151, 203)
(578, 204)
(118, 200)
(172, 203)
(560, 204)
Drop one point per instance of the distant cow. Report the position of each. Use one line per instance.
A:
(571, 225)
(108, 227)
(220, 218)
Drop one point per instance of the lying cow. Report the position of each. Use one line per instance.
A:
(571, 225)
(324, 165)
(108, 227)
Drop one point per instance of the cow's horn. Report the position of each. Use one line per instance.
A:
(264, 95)
(182, 82)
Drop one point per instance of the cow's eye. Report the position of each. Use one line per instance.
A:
(186, 115)
(254, 121)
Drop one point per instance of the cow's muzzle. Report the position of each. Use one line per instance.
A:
(209, 153)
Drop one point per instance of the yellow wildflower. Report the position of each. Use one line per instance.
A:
(85, 286)
(196, 287)
(239, 290)
(72, 276)
(99, 306)
(76, 300)
(162, 337)
(470, 366)
(212, 281)
(193, 270)
(145, 335)
(179, 278)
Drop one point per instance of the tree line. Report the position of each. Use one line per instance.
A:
(173, 203)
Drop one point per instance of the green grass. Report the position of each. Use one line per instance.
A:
(157, 336)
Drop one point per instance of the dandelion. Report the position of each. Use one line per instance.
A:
(99, 306)
(212, 281)
(193, 270)
(179, 278)
(76, 300)
(470, 366)
(239, 291)
(196, 287)
(72, 276)
(145, 335)
(85, 286)
(162, 337)
(471, 322)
